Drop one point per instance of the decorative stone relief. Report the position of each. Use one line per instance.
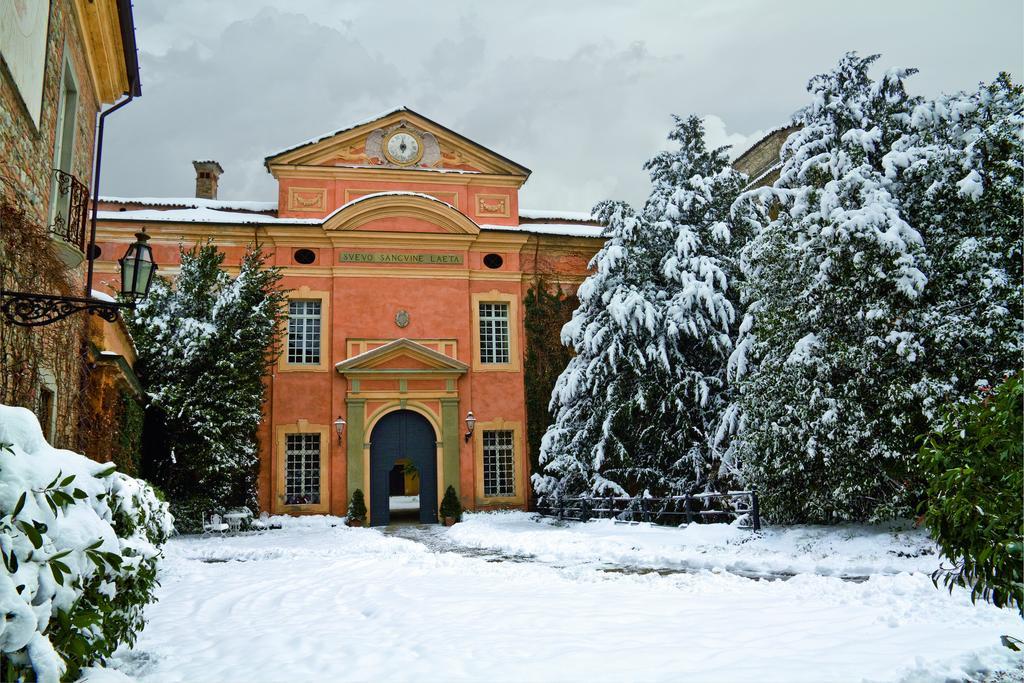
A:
(307, 199)
(492, 205)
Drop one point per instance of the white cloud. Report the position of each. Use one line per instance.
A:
(580, 92)
(715, 135)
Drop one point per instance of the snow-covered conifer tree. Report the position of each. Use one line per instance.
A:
(963, 188)
(693, 189)
(831, 406)
(604, 438)
(637, 408)
(204, 343)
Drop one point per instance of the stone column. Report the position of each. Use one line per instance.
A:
(451, 433)
(356, 413)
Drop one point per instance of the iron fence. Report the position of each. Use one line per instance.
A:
(666, 511)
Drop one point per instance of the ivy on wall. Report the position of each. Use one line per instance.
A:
(110, 429)
(32, 357)
(95, 414)
(133, 417)
(547, 309)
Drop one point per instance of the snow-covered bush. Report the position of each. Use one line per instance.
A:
(79, 544)
(205, 342)
(357, 508)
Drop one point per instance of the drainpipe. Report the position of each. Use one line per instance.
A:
(96, 185)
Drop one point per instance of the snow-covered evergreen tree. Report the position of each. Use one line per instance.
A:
(638, 407)
(693, 190)
(832, 406)
(603, 439)
(205, 342)
(963, 188)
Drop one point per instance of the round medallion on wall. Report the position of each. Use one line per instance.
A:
(402, 318)
(403, 147)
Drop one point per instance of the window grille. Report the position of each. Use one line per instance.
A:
(304, 332)
(494, 347)
(302, 469)
(499, 464)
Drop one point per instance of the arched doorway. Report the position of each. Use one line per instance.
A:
(402, 435)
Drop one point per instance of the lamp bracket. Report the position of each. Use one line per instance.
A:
(32, 310)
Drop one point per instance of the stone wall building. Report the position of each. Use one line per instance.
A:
(761, 162)
(61, 61)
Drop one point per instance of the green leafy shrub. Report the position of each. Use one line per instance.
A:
(357, 507)
(79, 544)
(450, 504)
(973, 463)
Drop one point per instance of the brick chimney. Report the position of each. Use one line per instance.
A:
(207, 174)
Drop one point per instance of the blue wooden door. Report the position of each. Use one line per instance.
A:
(402, 434)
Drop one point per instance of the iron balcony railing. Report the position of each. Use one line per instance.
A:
(72, 209)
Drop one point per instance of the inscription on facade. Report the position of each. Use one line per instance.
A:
(389, 257)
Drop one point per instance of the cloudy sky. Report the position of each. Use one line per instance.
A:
(580, 92)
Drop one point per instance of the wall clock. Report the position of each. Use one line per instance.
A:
(403, 148)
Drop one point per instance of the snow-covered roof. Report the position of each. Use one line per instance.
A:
(764, 138)
(755, 182)
(564, 223)
(389, 193)
(102, 296)
(195, 203)
(542, 214)
(201, 215)
(563, 229)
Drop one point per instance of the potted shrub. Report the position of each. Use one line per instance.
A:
(451, 508)
(357, 509)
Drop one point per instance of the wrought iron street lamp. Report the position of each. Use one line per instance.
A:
(137, 270)
(339, 426)
(470, 425)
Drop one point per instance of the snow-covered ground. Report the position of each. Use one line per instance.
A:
(315, 602)
(846, 551)
(403, 503)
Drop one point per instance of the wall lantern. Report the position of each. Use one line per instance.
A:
(339, 426)
(137, 270)
(470, 425)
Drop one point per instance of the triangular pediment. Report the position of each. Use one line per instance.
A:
(401, 356)
(364, 146)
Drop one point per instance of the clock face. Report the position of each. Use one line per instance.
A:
(403, 148)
